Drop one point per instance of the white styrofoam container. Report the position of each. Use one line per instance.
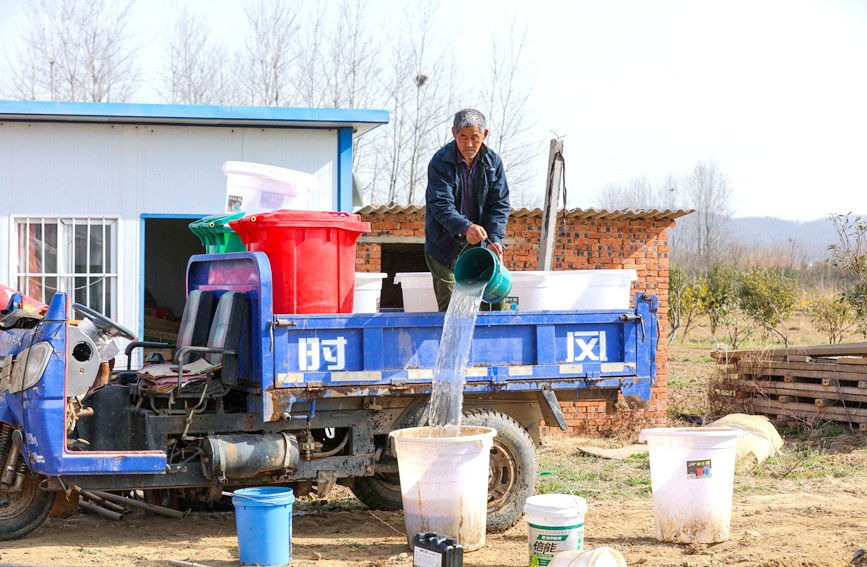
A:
(571, 290)
(565, 290)
(368, 288)
(418, 292)
(257, 188)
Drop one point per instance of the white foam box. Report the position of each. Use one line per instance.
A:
(571, 290)
(418, 292)
(258, 188)
(564, 290)
(368, 289)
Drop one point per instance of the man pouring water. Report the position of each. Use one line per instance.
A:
(467, 202)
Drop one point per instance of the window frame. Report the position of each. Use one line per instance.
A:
(65, 273)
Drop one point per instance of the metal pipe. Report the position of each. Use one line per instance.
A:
(8, 472)
(101, 501)
(91, 507)
(118, 499)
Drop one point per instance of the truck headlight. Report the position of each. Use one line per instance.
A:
(29, 366)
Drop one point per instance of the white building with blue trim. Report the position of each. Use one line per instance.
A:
(95, 198)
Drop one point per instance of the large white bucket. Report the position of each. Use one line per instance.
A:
(367, 292)
(692, 476)
(444, 482)
(258, 188)
(555, 523)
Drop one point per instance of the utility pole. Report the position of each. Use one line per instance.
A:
(553, 188)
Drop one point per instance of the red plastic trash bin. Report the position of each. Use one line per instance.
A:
(312, 255)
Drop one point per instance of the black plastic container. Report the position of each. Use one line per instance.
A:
(433, 550)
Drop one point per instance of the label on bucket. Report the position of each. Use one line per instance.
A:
(547, 541)
(233, 203)
(698, 469)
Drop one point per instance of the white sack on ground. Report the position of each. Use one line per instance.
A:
(760, 441)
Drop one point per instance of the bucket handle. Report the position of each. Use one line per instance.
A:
(233, 495)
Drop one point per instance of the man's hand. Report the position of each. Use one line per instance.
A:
(497, 249)
(475, 234)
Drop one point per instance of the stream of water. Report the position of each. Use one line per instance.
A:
(447, 392)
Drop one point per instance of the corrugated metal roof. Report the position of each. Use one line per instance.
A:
(361, 120)
(583, 214)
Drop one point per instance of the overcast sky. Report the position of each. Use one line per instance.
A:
(774, 91)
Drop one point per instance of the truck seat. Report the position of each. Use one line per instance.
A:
(196, 320)
(195, 325)
(221, 355)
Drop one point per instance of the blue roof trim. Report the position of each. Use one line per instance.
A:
(188, 114)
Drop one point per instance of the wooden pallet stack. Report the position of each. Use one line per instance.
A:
(806, 383)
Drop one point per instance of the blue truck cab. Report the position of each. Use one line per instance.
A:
(253, 397)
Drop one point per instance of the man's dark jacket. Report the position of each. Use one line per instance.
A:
(443, 223)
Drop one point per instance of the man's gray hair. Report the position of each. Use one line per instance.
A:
(468, 118)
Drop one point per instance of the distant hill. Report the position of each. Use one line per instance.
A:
(812, 237)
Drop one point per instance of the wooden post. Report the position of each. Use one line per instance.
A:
(552, 199)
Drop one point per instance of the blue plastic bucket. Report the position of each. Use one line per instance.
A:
(482, 265)
(263, 516)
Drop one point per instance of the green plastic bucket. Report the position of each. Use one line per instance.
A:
(216, 235)
(482, 265)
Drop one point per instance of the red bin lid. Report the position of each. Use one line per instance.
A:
(303, 219)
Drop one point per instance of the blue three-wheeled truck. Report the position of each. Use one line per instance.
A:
(253, 397)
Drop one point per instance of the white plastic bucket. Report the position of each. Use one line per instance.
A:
(692, 474)
(418, 292)
(257, 188)
(367, 291)
(597, 557)
(571, 290)
(555, 523)
(444, 482)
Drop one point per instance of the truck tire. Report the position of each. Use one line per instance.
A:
(514, 474)
(382, 491)
(23, 512)
(379, 492)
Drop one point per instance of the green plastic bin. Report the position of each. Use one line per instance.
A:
(216, 235)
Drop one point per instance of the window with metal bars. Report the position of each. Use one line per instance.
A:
(77, 255)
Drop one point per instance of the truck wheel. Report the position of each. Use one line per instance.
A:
(514, 474)
(22, 512)
(379, 492)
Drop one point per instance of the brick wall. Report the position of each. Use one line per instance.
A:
(584, 243)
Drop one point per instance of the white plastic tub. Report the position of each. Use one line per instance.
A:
(566, 290)
(692, 474)
(555, 523)
(368, 288)
(257, 188)
(444, 482)
(571, 290)
(418, 292)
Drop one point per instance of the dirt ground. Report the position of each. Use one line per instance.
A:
(809, 523)
(807, 507)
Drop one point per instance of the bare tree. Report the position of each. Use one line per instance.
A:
(637, 193)
(310, 80)
(506, 92)
(417, 94)
(76, 50)
(198, 72)
(269, 52)
(427, 114)
(709, 193)
(391, 151)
